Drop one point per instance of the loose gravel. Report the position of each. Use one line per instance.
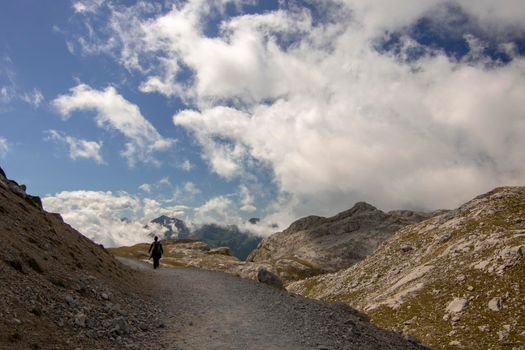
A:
(213, 310)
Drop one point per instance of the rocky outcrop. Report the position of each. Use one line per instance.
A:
(19, 190)
(454, 280)
(315, 244)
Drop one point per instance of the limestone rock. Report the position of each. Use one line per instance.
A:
(322, 244)
(457, 305)
(220, 250)
(495, 304)
(463, 256)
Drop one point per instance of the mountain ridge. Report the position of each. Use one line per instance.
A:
(453, 280)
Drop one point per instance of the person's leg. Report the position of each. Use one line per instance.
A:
(155, 263)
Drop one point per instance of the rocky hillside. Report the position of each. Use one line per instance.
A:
(456, 280)
(58, 289)
(314, 244)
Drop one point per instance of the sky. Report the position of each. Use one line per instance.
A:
(118, 111)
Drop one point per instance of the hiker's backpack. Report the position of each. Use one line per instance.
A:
(156, 249)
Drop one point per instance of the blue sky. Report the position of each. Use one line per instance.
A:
(218, 111)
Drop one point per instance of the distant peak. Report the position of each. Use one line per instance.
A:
(363, 206)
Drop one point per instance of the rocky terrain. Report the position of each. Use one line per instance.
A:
(314, 244)
(59, 290)
(456, 280)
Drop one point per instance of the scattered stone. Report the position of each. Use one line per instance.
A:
(470, 288)
(119, 326)
(36, 310)
(484, 328)
(105, 296)
(495, 304)
(454, 343)
(445, 238)
(70, 300)
(460, 278)
(80, 319)
(457, 305)
(406, 248)
(267, 277)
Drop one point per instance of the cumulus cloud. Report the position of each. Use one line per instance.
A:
(217, 209)
(78, 148)
(4, 147)
(335, 115)
(113, 112)
(112, 219)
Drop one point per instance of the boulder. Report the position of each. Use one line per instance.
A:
(267, 277)
(457, 305)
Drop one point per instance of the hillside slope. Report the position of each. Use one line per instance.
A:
(58, 289)
(456, 280)
(315, 244)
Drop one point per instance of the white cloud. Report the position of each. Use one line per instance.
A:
(191, 189)
(116, 113)
(4, 147)
(112, 219)
(85, 6)
(145, 187)
(34, 98)
(159, 185)
(216, 209)
(98, 215)
(165, 181)
(334, 119)
(246, 199)
(78, 148)
(186, 165)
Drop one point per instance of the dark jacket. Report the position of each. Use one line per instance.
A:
(156, 250)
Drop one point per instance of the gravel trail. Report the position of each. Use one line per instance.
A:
(214, 310)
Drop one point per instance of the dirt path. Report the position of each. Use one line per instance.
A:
(212, 310)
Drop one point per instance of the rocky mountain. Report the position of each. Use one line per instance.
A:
(241, 243)
(173, 228)
(58, 289)
(456, 280)
(315, 244)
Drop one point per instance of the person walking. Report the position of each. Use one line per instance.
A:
(156, 252)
